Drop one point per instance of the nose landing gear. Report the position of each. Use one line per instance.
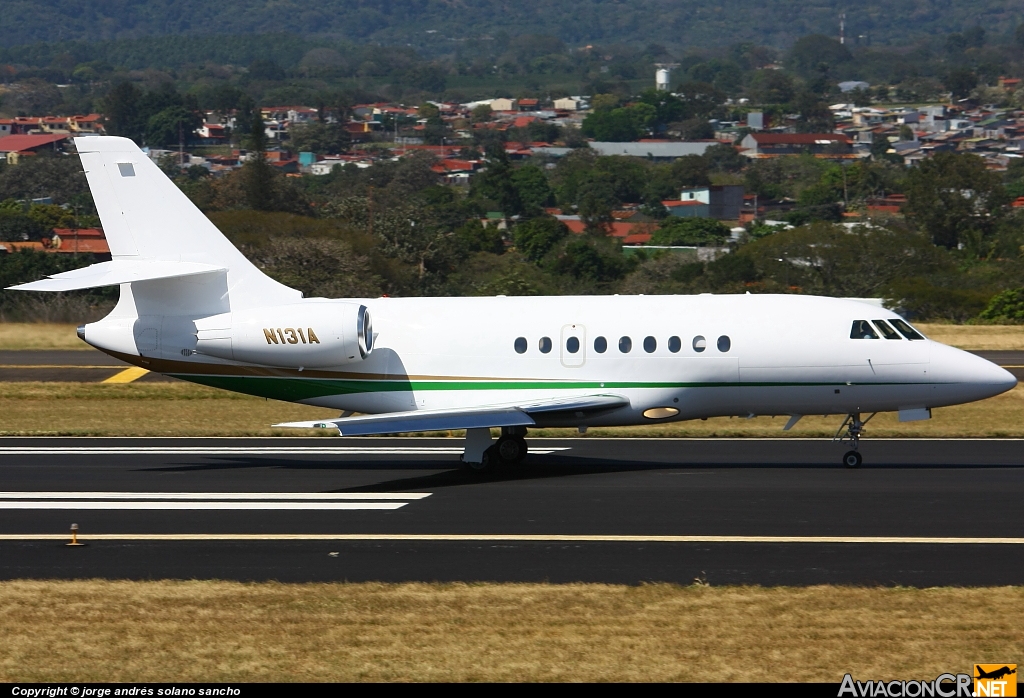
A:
(854, 427)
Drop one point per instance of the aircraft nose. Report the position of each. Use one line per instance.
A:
(957, 366)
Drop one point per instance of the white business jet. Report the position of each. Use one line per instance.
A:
(191, 306)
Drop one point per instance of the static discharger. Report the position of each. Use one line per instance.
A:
(74, 536)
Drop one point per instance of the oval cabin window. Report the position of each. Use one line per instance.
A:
(572, 345)
(674, 344)
(600, 345)
(699, 344)
(544, 345)
(724, 344)
(625, 345)
(650, 344)
(520, 345)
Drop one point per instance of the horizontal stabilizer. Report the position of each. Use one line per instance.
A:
(464, 418)
(118, 271)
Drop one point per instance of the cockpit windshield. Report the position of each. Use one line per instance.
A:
(862, 330)
(887, 332)
(906, 330)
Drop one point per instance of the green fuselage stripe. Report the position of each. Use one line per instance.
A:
(306, 388)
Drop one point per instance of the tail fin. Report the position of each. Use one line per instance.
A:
(147, 218)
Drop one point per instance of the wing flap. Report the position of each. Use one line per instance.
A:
(423, 420)
(515, 415)
(114, 272)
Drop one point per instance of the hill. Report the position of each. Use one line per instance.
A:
(441, 26)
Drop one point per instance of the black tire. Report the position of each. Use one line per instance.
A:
(487, 461)
(852, 459)
(511, 449)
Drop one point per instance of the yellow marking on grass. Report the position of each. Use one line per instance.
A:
(521, 538)
(127, 376)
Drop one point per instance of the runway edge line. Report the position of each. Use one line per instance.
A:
(523, 538)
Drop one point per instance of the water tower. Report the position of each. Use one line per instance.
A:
(663, 75)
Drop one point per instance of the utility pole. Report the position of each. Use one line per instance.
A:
(181, 145)
(842, 28)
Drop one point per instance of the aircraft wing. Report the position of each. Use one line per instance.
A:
(516, 415)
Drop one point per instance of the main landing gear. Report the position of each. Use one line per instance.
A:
(509, 450)
(854, 427)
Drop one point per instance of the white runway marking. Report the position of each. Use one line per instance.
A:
(208, 501)
(216, 496)
(522, 538)
(251, 451)
(206, 506)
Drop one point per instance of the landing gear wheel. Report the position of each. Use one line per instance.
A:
(487, 461)
(852, 459)
(511, 449)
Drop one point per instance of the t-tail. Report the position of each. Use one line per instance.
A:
(184, 287)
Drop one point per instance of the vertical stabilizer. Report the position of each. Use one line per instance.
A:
(146, 217)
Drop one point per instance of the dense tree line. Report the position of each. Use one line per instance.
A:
(434, 26)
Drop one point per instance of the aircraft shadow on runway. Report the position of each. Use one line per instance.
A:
(447, 474)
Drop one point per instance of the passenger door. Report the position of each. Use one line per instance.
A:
(573, 346)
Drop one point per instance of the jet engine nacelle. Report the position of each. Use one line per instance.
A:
(311, 334)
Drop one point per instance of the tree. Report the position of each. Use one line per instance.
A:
(955, 199)
(123, 117)
(595, 202)
(1007, 306)
(167, 126)
(815, 54)
(257, 173)
(771, 87)
(960, 82)
(722, 157)
(699, 99)
(481, 113)
(536, 237)
(532, 186)
(495, 183)
(616, 125)
(690, 231)
(591, 259)
(320, 138)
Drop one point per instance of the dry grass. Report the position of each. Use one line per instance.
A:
(973, 337)
(977, 337)
(31, 335)
(183, 409)
(227, 631)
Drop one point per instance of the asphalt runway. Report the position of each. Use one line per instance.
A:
(89, 366)
(743, 511)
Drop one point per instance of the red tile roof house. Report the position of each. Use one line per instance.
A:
(71, 241)
(14, 147)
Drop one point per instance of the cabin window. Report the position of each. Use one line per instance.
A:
(520, 345)
(545, 345)
(625, 344)
(572, 345)
(724, 343)
(862, 330)
(674, 344)
(699, 344)
(650, 344)
(906, 330)
(887, 332)
(600, 345)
